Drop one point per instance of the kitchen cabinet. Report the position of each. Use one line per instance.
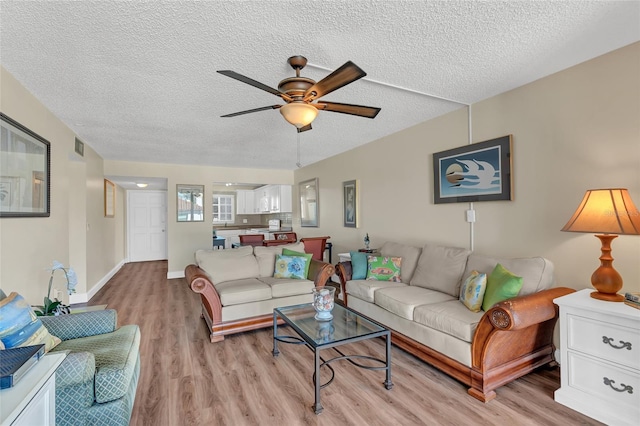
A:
(245, 202)
(274, 199)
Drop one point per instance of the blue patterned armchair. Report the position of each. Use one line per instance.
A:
(96, 384)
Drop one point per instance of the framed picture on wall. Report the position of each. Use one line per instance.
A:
(350, 203)
(309, 202)
(25, 177)
(477, 172)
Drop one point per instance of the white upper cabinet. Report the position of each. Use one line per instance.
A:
(245, 202)
(273, 199)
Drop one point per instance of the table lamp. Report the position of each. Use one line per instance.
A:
(607, 213)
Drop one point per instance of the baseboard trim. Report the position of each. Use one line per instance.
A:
(85, 297)
(175, 274)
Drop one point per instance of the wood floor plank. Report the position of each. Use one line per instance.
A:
(187, 380)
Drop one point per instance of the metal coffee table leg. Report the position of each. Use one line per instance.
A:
(317, 407)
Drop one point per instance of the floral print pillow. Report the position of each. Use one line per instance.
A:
(290, 267)
(384, 268)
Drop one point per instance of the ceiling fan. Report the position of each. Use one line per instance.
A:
(300, 92)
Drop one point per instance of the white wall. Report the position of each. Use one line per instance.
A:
(572, 131)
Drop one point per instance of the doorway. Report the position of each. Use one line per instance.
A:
(147, 225)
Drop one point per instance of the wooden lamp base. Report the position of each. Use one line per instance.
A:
(606, 279)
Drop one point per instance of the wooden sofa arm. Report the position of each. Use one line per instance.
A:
(344, 270)
(521, 312)
(320, 272)
(199, 282)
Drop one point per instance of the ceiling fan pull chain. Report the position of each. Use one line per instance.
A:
(298, 142)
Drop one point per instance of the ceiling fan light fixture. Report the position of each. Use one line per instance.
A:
(299, 113)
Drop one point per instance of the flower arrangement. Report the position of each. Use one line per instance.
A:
(55, 307)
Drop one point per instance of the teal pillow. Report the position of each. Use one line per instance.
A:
(384, 268)
(290, 267)
(472, 291)
(358, 265)
(501, 285)
(19, 325)
(288, 252)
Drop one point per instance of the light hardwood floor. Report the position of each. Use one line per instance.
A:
(186, 380)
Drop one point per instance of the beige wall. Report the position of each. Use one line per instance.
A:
(184, 238)
(76, 229)
(572, 131)
(575, 130)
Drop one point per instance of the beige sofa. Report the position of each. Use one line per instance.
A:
(238, 291)
(484, 350)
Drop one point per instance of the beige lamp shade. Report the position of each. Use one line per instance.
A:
(605, 211)
(299, 113)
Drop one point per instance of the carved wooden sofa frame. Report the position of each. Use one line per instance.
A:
(512, 339)
(199, 282)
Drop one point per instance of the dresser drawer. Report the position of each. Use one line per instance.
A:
(604, 381)
(611, 342)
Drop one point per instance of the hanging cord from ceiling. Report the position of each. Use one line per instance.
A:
(394, 86)
(298, 158)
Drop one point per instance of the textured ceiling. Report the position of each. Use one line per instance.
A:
(136, 80)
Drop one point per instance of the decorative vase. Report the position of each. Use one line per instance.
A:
(366, 241)
(323, 302)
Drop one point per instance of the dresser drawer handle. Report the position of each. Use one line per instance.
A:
(625, 388)
(608, 340)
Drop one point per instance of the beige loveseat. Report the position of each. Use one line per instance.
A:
(238, 291)
(484, 350)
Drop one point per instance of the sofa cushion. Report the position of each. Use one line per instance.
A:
(384, 268)
(450, 317)
(440, 268)
(501, 285)
(308, 256)
(472, 291)
(358, 265)
(19, 325)
(242, 291)
(290, 267)
(409, 255)
(283, 287)
(228, 265)
(266, 257)
(536, 272)
(365, 289)
(402, 301)
(115, 355)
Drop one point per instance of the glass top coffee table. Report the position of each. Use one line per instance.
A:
(347, 326)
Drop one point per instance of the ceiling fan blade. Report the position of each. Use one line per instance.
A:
(347, 73)
(254, 83)
(304, 128)
(359, 110)
(252, 110)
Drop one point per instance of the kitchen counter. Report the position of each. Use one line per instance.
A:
(243, 227)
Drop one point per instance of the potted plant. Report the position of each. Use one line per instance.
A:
(55, 307)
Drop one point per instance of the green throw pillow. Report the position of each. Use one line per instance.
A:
(501, 285)
(19, 325)
(288, 252)
(384, 268)
(472, 291)
(358, 265)
(290, 267)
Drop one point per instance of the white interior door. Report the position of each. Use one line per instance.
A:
(147, 225)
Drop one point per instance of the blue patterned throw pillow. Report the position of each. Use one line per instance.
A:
(472, 291)
(290, 267)
(19, 325)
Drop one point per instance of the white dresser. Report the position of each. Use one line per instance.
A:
(32, 401)
(599, 358)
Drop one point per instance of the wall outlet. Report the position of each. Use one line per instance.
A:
(244, 220)
(471, 216)
(57, 294)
